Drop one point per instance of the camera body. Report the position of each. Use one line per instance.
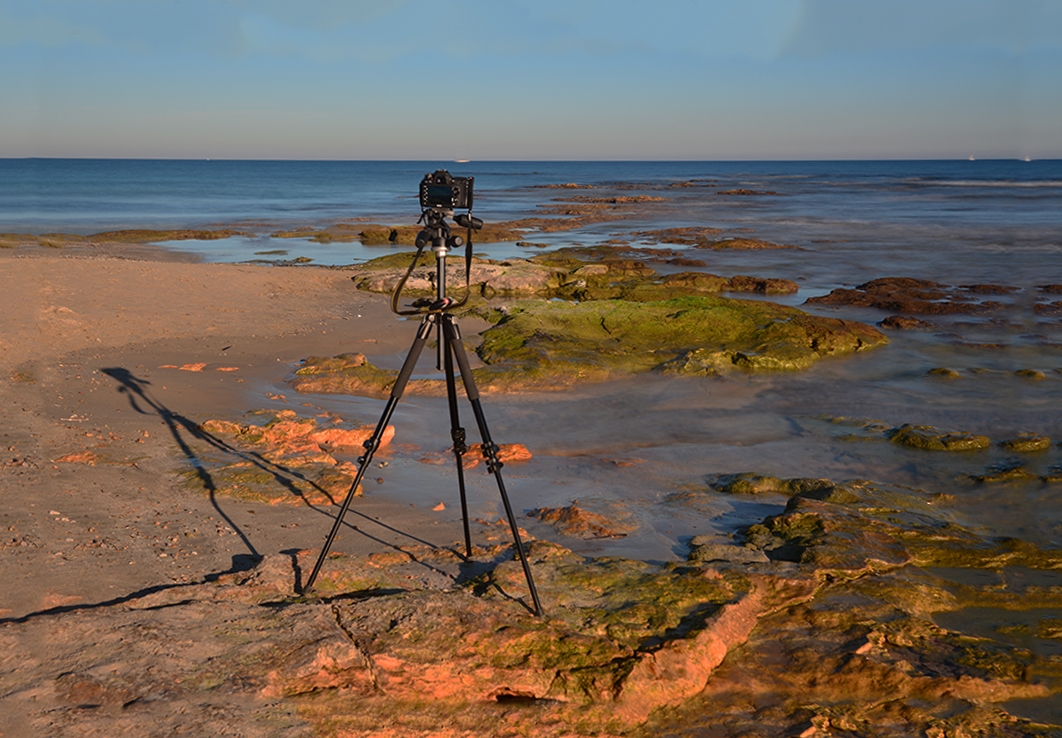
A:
(441, 190)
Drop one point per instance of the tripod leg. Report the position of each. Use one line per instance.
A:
(373, 443)
(457, 433)
(490, 450)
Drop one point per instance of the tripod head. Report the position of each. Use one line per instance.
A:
(436, 230)
(436, 234)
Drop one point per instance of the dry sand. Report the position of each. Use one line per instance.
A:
(78, 330)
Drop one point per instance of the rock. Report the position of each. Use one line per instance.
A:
(842, 631)
(257, 463)
(708, 552)
(508, 453)
(623, 639)
(917, 296)
(546, 346)
(752, 483)
(933, 439)
(1005, 472)
(1027, 443)
(943, 373)
(486, 278)
(577, 522)
(599, 339)
(906, 323)
(764, 286)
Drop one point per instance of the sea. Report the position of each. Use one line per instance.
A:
(643, 449)
(966, 221)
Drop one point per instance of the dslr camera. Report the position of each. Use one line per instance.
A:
(441, 190)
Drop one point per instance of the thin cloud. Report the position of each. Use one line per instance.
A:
(829, 26)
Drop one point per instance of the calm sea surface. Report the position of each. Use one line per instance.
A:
(954, 222)
(957, 220)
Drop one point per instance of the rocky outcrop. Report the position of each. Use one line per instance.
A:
(824, 618)
(551, 345)
(917, 297)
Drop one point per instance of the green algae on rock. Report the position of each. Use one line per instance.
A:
(552, 345)
(689, 335)
(750, 483)
(587, 273)
(622, 638)
(933, 439)
(830, 594)
(1027, 443)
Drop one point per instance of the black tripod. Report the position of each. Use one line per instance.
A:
(450, 349)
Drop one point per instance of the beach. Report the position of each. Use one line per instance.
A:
(91, 535)
(153, 543)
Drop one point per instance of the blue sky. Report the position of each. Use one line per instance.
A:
(531, 79)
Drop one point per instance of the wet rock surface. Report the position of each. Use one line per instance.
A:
(578, 522)
(919, 297)
(551, 345)
(588, 273)
(933, 439)
(280, 457)
(827, 614)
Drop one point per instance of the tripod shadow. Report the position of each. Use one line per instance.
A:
(186, 431)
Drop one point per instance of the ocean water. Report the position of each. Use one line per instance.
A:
(627, 447)
(969, 220)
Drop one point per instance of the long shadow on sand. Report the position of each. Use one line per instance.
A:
(185, 432)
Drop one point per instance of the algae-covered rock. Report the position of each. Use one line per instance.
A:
(571, 274)
(830, 536)
(551, 345)
(917, 296)
(933, 439)
(1026, 443)
(621, 639)
(705, 549)
(750, 483)
(600, 338)
(1007, 471)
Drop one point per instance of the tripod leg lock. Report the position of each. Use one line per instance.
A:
(458, 436)
(490, 453)
(371, 446)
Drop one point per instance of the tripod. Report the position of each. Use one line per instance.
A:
(450, 350)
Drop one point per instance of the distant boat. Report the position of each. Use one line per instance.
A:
(461, 161)
(972, 159)
(1027, 159)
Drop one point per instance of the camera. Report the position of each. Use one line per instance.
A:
(441, 190)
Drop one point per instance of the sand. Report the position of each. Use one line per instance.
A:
(112, 523)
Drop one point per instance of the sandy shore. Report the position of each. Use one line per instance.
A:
(78, 331)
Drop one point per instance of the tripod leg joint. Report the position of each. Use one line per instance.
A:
(490, 453)
(458, 436)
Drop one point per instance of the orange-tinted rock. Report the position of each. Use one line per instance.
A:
(281, 446)
(576, 522)
(508, 453)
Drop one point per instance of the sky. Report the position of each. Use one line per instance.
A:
(531, 79)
